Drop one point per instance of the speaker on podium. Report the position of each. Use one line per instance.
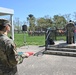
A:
(24, 28)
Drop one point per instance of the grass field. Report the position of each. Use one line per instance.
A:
(25, 39)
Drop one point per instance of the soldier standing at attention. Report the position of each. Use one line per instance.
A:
(8, 55)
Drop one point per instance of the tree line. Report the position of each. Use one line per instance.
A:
(40, 24)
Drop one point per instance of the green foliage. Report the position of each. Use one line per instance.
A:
(59, 21)
(31, 19)
(44, 22)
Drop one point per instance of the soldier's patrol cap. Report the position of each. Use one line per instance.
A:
(4, 22)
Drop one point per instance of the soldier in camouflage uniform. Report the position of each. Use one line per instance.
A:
(8, 54)
(70, 28)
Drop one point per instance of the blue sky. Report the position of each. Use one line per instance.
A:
(39, 8)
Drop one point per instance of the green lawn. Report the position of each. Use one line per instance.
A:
(61, 38)
(32, 40)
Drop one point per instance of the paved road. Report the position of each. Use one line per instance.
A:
(46, 64)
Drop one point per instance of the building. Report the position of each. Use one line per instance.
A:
(6, 11)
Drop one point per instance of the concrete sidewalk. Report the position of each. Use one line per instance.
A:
(46, 64)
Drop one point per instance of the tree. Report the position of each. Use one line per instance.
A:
(59, 21)
(44, 22)
(67, 17)
(74, 16)
(31, 20)
(17, 24)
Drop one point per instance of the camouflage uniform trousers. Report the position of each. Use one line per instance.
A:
(8, 73)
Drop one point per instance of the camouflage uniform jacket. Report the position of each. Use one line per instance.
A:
(8, 62)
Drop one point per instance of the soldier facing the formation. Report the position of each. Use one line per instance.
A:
(8, 54)
(70, 28)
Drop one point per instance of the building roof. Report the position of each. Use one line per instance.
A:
(6, 11)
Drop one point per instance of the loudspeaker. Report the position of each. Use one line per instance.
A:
(24, 28)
